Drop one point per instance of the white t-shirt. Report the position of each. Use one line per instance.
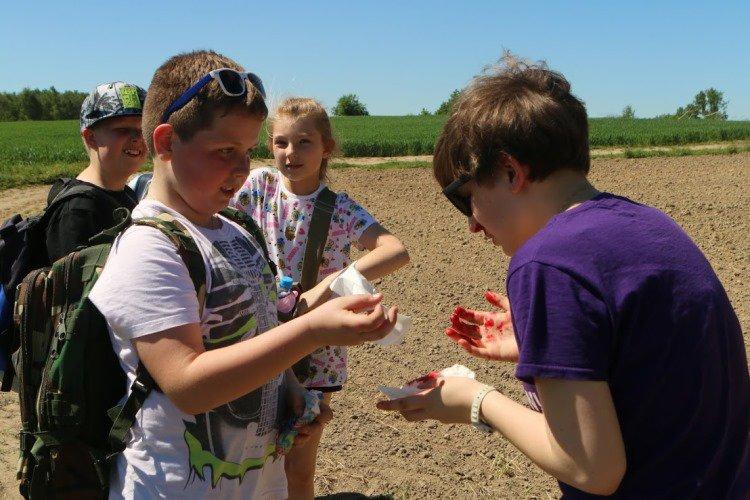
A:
(285, 219)
(145, 288)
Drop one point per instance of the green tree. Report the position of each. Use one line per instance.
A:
(709, 103)
(447, 106)
(628, 112)
(349, 105)
(8, 107)
(424, 112)
(717, 106)
(30, 105)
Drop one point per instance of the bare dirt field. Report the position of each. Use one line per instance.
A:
(369, 454)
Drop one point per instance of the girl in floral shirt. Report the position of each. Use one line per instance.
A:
(281, 200)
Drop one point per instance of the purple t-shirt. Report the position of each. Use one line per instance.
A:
(613, 290)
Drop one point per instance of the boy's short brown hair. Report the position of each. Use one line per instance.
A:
(177, 75)
(519, 109)
(305, 107)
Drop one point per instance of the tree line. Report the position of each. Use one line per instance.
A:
(41, 104)
(50, 104)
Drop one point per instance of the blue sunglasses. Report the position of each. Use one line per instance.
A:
(232, 83)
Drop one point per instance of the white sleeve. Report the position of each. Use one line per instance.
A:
(145, 286)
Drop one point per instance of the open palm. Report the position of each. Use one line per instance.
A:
(485, 334)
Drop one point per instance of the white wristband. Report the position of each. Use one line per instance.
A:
(476, 405)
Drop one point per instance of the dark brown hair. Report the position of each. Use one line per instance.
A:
(177, 75)
(519, 109)
(304, 107)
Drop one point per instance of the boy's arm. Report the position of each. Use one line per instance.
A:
(196, 380)
(386, 253)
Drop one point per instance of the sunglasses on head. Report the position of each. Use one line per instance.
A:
(462, 203)
(232, 83)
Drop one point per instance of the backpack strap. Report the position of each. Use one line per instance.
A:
(123, 416)
(62, 191)
(317, 237)
(186, 248)
(248, 224)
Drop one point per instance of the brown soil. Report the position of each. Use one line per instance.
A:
(373, 453)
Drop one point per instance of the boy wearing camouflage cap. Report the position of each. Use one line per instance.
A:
(111, 132)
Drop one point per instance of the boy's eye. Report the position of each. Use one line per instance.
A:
(304, 141)
(280, 143)
(226, 151)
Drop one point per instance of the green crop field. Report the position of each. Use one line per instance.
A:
(39, 151)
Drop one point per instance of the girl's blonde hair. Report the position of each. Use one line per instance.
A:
(305, 107)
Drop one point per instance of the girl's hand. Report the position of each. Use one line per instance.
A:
(448, 401)
(351, 320)
(485, 334)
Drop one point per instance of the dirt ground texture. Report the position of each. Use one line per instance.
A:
(366, 453)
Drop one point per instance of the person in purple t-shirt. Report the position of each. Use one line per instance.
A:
(625, 341)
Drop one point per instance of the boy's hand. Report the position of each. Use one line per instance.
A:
(485, 334)
(448, 401)
(304, 431)
(295, 395)
(351, 320)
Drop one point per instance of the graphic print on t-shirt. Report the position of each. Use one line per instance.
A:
(236, 307)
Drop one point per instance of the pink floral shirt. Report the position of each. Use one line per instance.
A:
(284, 219)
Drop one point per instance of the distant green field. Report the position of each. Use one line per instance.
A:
(39, 151)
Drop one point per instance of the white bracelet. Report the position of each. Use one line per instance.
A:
(476, 405)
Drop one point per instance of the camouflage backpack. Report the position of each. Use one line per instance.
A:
(70, 379)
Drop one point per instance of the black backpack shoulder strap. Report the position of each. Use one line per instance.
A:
(63, 191)
(317, 237)
(248, 224)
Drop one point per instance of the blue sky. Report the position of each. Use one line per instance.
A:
(397, 56)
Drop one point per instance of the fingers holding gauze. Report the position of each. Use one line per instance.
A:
(387, 320)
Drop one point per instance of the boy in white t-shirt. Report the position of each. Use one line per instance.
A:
(211, 428)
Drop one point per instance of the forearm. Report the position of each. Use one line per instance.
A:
(529, 431)
(203, 383)
(316, 295)
(382, 260)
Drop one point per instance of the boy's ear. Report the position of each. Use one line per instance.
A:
(163, 136)
(516, 173)
(89, 137)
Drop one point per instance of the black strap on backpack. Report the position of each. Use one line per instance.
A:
(317, 237)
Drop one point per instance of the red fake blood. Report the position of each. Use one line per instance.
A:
(489, 323)
(417, 382)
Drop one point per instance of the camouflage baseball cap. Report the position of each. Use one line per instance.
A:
(109, 100)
